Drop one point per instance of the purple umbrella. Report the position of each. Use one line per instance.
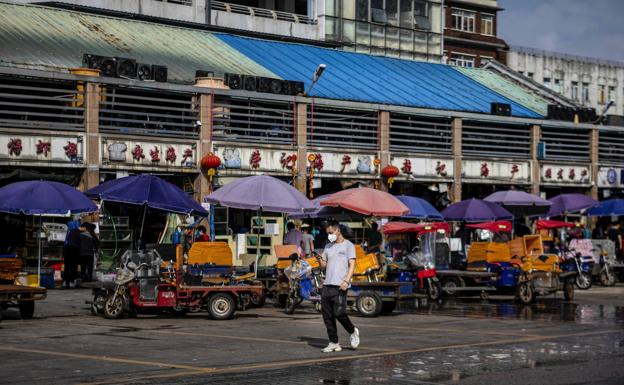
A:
(564, 204)
(519, 203)
(261, 192)
(475, 210)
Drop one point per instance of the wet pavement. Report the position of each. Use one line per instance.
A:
(456, 341)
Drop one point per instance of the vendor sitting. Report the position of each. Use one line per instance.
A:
(201, 235)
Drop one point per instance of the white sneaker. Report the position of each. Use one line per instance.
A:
(332, 347)
(355, 338)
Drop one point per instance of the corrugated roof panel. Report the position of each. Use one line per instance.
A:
(507, 88)
(48, 38)
(375, 79)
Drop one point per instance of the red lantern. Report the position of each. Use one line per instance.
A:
(210, 162)
(390, 172)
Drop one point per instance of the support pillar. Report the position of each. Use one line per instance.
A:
(536, 135)
(91, 176)
(456, 191)
(594, 138)
(384, 143)
(301, 140)
(206, 102)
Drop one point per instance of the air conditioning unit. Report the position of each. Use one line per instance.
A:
(126, 68)
(291, 87)
(234, 81)
(107, 65)
(160, 73)
(144, 72)
(250, 83)
(501, 109)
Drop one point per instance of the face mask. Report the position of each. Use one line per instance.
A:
(332, 237)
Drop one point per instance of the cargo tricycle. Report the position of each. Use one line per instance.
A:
(147, 283)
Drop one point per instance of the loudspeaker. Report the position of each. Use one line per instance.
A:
(160, 73)
(615, 120)
(501, 109)
(106, 65)
(126, 68)
(234, 81)
(144, 72)
(250, 83)
(587, 115)
(552, 112)
(204, 74)
(276, 86)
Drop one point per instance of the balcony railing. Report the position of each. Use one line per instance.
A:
(261, 12)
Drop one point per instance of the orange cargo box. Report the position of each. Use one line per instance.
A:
(489, 252)
(283, 252)
(365, 263)
(218, 253)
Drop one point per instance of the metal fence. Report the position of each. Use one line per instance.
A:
(611, 146)
(253, 121)
(148, 112)
(261, 12)
(342, 128)
(566, 143)
(41, 104)
(411, 133)
(496, 139)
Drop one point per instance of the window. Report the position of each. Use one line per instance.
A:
(611, 93)
(602, 97)
(585, 92)
(557, 85)
(574, 91)
(530, 75)
(547, 82)
(406, 14)
(462, 61)
(463, 20)
(421, 14)
(487, 25)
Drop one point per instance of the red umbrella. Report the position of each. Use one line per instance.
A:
(546, 224)
(367, 201)
(417, 228)
(495, 227)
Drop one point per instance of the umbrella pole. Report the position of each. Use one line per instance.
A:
(257, 246)
(39, 252)
(142, 225)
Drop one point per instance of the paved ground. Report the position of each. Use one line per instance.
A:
(455, 342)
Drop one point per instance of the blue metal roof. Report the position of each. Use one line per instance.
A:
(374, 79)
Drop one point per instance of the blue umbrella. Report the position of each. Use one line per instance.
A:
(150, 191)
(607, 208)
(147, 191)
(419, 208)
(43, 198)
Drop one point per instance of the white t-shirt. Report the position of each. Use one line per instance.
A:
(337, 256)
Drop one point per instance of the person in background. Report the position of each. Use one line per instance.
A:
(202, 235)
(308, 240)
(338, 259)
(374, 238)
(293, 236)
(71, 254)
(599, 231)
(615, 235)
(89, 244)
(320, 240)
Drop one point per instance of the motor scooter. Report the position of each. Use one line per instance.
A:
(582, 265)
(603, 271)
(304, 284)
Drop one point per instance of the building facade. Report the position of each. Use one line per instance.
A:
(585, 81)
(409, 29)
(470, 33)
(431, 121)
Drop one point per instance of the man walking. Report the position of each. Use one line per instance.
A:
(339, 261)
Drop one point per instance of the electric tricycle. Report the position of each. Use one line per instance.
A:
(419, 265)
(146, 283)
(305, 281)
